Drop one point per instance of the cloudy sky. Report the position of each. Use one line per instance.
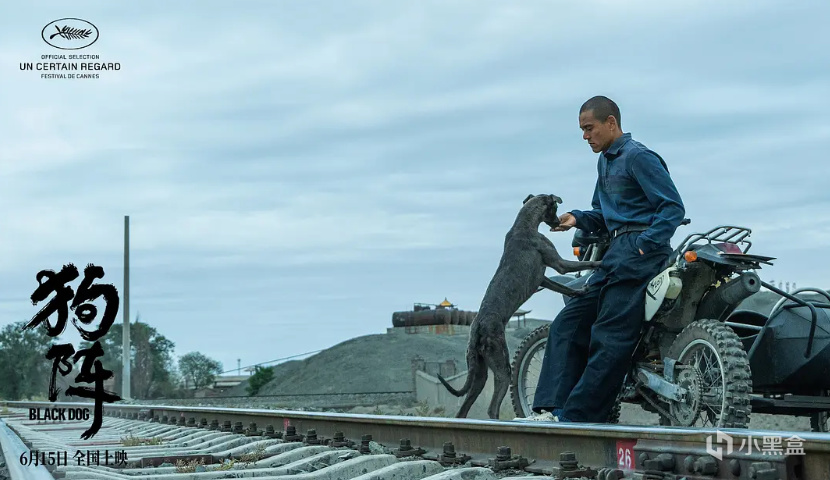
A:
(295, 172)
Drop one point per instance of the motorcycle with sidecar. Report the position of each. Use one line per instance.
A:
(702, 360)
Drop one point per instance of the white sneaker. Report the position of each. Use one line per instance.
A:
(545, 416)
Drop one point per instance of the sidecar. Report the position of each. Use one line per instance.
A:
(789, 353)
(786, 335)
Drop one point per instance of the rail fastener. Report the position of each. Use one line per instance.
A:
(291, 434)
(340, 440)
(610, 474)
(569, 467)
(252, 431)
(406, 450)
(311, 438)
(271, 433)
(449, 457)
(505, 460)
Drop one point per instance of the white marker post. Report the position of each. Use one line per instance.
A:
(125, 347)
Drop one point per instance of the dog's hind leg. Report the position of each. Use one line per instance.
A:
(477, 381)
(498, 359)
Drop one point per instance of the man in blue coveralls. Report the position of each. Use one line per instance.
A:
(592, 340)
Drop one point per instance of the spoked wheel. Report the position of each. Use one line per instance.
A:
(820, 422)
(714, 370)
(525, 371)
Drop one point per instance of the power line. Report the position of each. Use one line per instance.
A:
(272, 361)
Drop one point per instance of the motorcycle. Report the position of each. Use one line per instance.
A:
(701, 361)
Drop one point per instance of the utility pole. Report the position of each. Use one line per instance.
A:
(239, 366)
(125, 347)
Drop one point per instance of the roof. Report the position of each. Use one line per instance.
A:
(445, 303)
(231, 378)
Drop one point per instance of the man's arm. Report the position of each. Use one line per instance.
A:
(590, 220)
(648, 169)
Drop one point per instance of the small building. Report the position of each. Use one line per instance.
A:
(228, 381)
(445, 304)
(520, 316)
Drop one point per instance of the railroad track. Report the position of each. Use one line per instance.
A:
(177, 442)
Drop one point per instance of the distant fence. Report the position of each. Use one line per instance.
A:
(447, 368)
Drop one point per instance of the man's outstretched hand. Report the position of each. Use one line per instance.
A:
(566, 221)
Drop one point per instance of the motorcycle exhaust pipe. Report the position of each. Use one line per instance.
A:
(722, 301)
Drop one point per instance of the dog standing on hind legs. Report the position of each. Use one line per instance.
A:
(520, 273)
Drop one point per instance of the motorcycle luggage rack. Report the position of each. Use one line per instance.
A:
(723, 233)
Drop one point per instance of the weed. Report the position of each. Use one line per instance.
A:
(422, 409)
(133, 441)
(252, 457)
(188, 467)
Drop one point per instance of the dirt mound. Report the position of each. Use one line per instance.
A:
(373, 363)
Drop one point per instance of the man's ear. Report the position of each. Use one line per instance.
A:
(528, 198)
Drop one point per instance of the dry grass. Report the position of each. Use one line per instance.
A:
(189, 466)
(133, 441)
(254, 456)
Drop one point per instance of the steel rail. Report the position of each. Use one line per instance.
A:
(13, 449)
(682, 450)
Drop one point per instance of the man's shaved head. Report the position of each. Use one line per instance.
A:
(602, 108)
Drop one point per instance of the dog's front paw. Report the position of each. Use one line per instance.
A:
(578, 293)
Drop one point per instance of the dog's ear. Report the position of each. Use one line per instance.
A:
(555, 199)
(528, 198)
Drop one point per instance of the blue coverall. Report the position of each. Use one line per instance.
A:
(593, 338)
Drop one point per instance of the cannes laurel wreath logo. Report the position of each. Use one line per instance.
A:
(70, 33)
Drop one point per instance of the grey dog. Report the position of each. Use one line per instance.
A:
(520, 273)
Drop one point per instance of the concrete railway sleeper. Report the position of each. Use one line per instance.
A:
(172, 442)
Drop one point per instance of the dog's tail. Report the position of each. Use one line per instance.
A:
(455, 392)
(471, 374)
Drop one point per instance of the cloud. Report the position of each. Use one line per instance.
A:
(302, 171)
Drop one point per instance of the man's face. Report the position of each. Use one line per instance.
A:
(599, 135)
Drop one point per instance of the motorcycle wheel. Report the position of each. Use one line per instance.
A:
(716, 374)
(525, 370)
(820, 422)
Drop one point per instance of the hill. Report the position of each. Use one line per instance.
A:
(373, 363)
